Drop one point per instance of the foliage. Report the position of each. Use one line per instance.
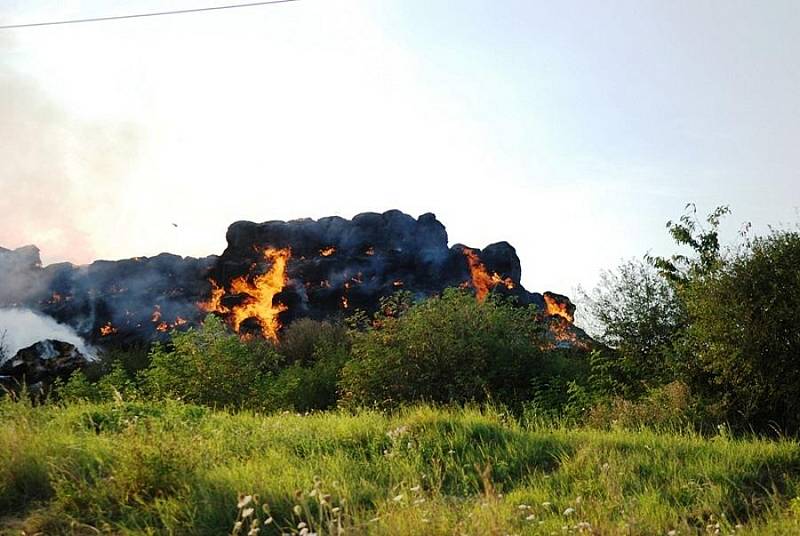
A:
(640, 315)
(170, 468)
(447, 349)
(211, 366)
(317, 352)
(745, 330)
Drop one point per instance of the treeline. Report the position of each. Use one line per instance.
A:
(706, 339)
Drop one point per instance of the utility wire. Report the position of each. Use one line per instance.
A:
(154, 14)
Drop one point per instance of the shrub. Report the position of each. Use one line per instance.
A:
(744, 330)
(448, 349)
(211, 366)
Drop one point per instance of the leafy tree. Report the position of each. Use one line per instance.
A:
(639, 315)
(744, 329)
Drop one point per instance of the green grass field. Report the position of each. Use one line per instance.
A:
(131, 468)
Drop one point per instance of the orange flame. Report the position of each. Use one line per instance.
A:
(328, 251)
(156, 314)
(482, 281)
(260, 292)
(345, 303)
(554, 308)
(370, 251)
(107, 329)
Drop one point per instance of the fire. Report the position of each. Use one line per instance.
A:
(398, 283)
(260, 292)
(370, 251)
(156, 316)
(107, 329)
(163, 327)
(328, 251)
(214, 303)
(554, 308)
(345, 303)
(482, 281)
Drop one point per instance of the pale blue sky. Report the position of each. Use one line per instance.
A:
(572, 131)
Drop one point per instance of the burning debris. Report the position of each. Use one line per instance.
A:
(269, 275)
(251, 297)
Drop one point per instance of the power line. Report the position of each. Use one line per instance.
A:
(154, 14)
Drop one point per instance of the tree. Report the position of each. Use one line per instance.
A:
(639, 315)
(744, 328)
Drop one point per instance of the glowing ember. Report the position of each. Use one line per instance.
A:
(156, 316)
(107, 329)
(260, 292)
(345, 303)
(370, 251)
(328, 251)
(482, 281)
(398, 283)
(554, 308)
(163, 327)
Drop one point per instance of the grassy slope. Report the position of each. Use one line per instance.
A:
(174, 469)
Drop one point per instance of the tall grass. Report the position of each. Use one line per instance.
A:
(131, 468)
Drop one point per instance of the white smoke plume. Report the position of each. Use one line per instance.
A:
(23, 327)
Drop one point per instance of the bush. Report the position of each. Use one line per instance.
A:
(317, 352)
(639, 315)
(745, 331)
(448, 349)
(211, 366)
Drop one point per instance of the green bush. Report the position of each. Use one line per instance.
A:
(211, 366)
(448, 349)
(744, 331)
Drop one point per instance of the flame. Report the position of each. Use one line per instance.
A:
(328, 251)
(345, 303)
(370, 251)
(482, 281)
(107, 329)
(260, 292)
(156, 316)
(398, 283)
(214, 303)
(554, 308)
(163, 327)
(179, 321)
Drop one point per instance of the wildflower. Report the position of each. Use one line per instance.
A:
(584, 525)
(301, 525)
(335, 510)
(569, 511)
(420, 500)
(524, 507)
(673, 532)
(244, 500)
(415, 489)
(297, 509)
(399, 498)
(254, 532)
(547, 504)
(247, 512)
(530, 517)
(237, 527)
(268, 520)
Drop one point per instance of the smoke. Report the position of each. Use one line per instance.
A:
(22, 328)
(60, 174)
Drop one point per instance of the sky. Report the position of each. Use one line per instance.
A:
(572, 130)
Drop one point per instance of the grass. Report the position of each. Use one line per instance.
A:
(141, 468)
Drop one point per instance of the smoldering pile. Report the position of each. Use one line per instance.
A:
(271, 274)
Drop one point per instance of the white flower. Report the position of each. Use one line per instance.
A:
(244, 501)
(531, 517)
(247, 512)
(399, 498)
(547, 504)
(569, 511)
